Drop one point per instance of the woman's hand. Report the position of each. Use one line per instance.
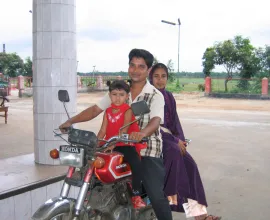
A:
(182, 147)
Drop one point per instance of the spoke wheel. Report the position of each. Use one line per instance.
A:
(61, 217)
(147, 214)
(66, 216)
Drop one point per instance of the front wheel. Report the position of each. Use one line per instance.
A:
(67, 216)
(64, 216)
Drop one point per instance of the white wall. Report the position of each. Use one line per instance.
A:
(23, 206)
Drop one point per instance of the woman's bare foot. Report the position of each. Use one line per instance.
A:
(207, 217)
(172, 200)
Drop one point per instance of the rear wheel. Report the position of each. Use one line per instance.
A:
(147, 214)
(101, 216)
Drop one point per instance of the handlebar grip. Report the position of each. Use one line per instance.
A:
(145, 139)
(67, 130)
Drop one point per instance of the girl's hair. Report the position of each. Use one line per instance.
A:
(118, 85)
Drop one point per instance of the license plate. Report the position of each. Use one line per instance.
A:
(71, 156)
(69, 149)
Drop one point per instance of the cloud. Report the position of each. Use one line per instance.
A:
(108, 30)
(107, 34)
(16, 21)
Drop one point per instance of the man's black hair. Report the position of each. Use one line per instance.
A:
(141, 53)
(118, 85)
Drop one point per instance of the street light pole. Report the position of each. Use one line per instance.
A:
(94, 71)
(172, 23)
(179, 23)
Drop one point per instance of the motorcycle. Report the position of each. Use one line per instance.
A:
(104, 178)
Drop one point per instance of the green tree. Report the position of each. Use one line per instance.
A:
(27, 67)
(265, 59)
(155, 61)
(209, 58)
(177, 85)
(227, 57)
(236, 55)
(249, 61)
(11, 64)
(170, 70)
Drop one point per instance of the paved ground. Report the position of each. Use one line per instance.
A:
(230, 143)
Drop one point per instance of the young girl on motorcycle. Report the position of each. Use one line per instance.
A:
(115, 117)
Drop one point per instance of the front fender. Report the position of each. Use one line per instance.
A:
(54, 207)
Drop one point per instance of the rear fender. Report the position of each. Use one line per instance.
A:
(54, 207)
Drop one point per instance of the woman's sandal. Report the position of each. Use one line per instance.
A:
(212, 217)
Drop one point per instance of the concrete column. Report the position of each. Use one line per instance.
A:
(54, 65)
(79, 83)
(208, 88)
(265, 86)
(20, 85)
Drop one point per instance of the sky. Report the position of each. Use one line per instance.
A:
(107, 30)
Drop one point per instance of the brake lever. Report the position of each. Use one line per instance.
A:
(60, 135)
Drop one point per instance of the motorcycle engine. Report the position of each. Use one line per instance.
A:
(110, 202)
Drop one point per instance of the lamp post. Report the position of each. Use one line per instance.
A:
(172, 23)
(94, 71)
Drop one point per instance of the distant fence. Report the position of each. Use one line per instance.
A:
(90, 83)
(234, 85)
(238, 86)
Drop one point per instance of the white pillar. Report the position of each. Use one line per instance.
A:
(54, 62)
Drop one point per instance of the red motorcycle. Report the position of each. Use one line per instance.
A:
(104, 178)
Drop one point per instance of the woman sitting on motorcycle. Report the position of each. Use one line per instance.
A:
(183, 184)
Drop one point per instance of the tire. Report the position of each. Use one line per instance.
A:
(147, 214)
(65, 216)
(102, 216)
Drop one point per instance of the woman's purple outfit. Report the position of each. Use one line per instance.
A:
(182, 174)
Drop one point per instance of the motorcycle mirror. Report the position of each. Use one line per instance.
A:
(63, 96)
(140, 108)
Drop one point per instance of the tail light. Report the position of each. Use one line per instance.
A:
(99, 163)
(54, 154)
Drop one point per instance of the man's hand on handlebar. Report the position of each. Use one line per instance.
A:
(110, 149)
(136, 136)
(65, 126)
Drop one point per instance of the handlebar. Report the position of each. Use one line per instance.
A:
(122, 138)
(112, 140)
(187, 141)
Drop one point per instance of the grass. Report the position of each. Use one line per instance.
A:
(219, 86)
(185, 85)
(193, 84)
